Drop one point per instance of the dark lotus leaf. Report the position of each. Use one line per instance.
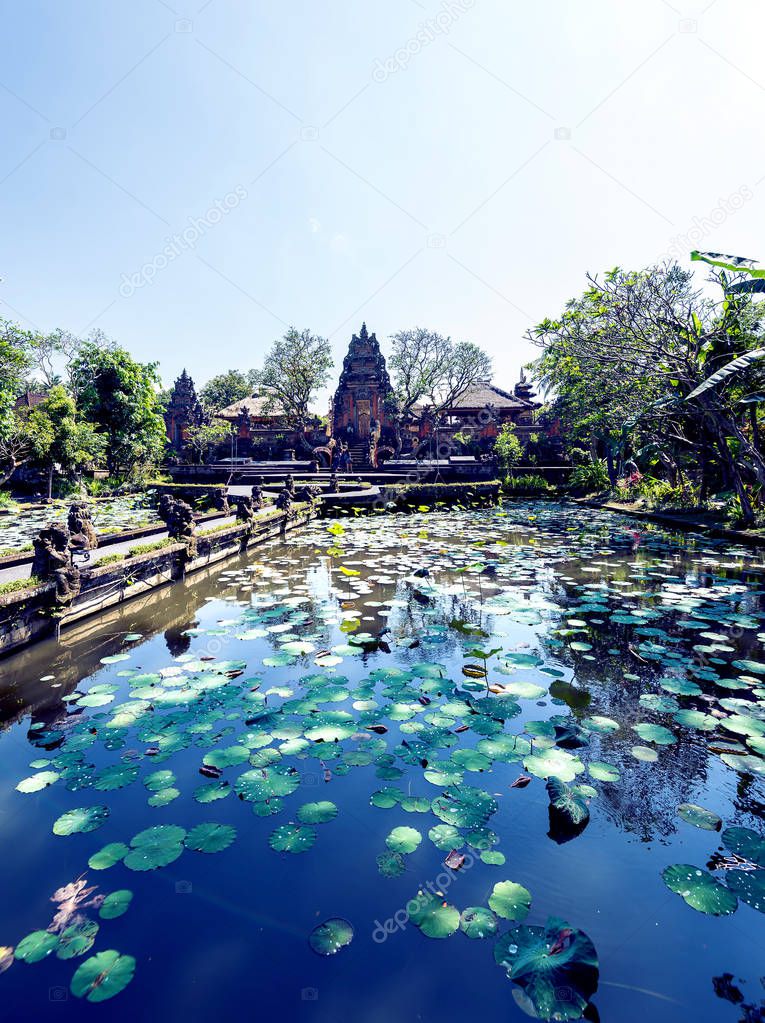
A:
(328, 938)
(749, 886)
(569, 813)
(745, 842)
(556, 965)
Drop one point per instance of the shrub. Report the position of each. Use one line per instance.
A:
(529, 481)
(591, 477)
(148, 548)
(110, 559)
(17, 585)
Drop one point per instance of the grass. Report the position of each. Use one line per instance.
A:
(10, 552)
(147, 548)
(18, 585)
(110, 559)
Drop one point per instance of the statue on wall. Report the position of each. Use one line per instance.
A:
(257, 497)
(81, 527)
(220, 502)
(334, 484)
(53, 561)
(179, 519)
(245, 510)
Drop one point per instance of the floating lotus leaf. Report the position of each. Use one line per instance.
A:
(108, 856)
(434, 917)
(155, 847)
(211, 791)
(84, 818)
(35, 946)
(210, 838)
(556, 966)
(386, 798)
(655, 733)
(391, 864)
(478, 922)
(76, 939)
(317, 813)
(695, 719)
(163, 797)
(603, 772)
(119, 776)
(571, 807)
(227, 757)
(749, 886)
(699, 889)
(603, 725)
(553, 763)
(159, 780)
(464, 807)
(509, 900)
(38, 781)
(745, 842)
(645, 753)
(403, 840)
(493, 858)
(328, 938)
(292, 838)
(264, 783)
(446, 837)
(699, 817)
(103, 976)
(115, 904)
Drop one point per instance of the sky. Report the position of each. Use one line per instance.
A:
(193, 177)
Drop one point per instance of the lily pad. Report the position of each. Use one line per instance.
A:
(292, 838)
(210, 838)
(434, 917)
(478, 922)
(155, 847)
(511, 901)
(115, 904)
(103, 976)
(699, 817)
(699, 889)
(84, 818)
(328, 938)
(403, 840)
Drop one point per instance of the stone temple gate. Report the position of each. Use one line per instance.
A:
(358, 413)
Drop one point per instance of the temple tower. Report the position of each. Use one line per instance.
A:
(358, 406)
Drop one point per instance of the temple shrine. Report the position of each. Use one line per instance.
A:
(358, 407)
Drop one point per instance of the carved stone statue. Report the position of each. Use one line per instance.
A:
(310, 493)
(289, 484)
(334, 484)
(53, 560)
(179, 519)
(284, 502)
(257, 497)
(245, 510)
(220, 502)
(81, 527)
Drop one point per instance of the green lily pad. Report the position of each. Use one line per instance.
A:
(478, 922)
(403, 840)
(749, 886)
(210, 838)
(391, 864)
(434, 917)
(35, 946)
(509, 900)
(84, 818)
(745, 842)
(328, 938)
(699, 817)
(38, 781)
(655, 733)
(115, 904)
(317, 813)
(699, 889)
(108, 856)
(155, 847)
(76, 939)
(103, 976)
(556, 966)
(292, 838)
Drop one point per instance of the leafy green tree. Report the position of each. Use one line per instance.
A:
(507, 448)
(295, 369)
(202, 440)
(58, 440)
(430, 373)
(119, 396)
(16, 346)
(225, 389)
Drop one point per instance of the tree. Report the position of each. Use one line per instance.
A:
(119, 397)
(433, 372)
(225, 389)
(295, 369)
(16, 347)
(624, 360)
(201, 440)
(507, 448)
(57, 439)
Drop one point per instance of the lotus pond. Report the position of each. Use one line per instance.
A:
(502, 762)
(109, 516)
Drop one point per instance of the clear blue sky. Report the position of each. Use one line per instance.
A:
(464, 180)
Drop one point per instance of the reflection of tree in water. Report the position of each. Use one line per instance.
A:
(177, 643)
(726, 988)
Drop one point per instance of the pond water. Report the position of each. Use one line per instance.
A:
(310, 734)
(111, 516)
